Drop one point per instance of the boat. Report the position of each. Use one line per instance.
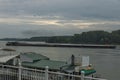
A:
(59, 45)
(37, 61)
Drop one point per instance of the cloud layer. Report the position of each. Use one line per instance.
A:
(27, 18)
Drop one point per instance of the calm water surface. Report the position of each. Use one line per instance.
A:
(105, 61)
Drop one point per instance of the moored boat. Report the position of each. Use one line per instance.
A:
(38, 61)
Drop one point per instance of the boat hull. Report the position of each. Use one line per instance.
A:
(60, 45)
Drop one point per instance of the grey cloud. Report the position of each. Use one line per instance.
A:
(106, 27)
(47, 30)
(31, 33)
(65, 11)
(70, 9)
(26, 30)
(68, 30)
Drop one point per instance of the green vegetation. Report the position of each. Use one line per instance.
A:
(90, 37)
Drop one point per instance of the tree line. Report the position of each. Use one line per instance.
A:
(90, 37)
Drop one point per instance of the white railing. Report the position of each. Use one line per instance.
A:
(19, 73)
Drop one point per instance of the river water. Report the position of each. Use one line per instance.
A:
(105, 61)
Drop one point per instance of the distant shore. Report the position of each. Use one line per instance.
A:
(90, 37)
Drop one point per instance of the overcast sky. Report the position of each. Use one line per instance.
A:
(28, 18)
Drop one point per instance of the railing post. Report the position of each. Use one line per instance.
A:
(82, 75)
(2, 68)
(46, 73)
(2, 77)
(20, 70)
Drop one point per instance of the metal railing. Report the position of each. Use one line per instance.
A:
(8, 72)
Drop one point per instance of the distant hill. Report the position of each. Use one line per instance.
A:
(14, 39)
(90, 37)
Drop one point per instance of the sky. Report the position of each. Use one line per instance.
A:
(29, 18)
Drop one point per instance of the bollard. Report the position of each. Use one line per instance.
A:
(82, 75)
(46, 73)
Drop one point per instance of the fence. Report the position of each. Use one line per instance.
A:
(20, 73)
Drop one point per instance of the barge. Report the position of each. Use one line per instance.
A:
(59, 45)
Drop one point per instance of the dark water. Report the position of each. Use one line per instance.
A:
(105, 61)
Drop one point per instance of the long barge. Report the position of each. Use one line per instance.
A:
(59, 45)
